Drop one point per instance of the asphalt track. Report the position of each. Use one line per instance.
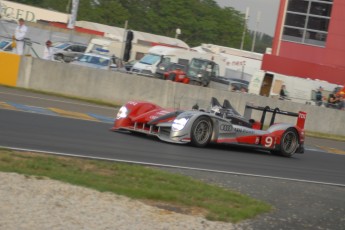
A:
(58, 134)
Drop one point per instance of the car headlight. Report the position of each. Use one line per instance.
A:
(123, 112)
(199, 75)
(179, 123)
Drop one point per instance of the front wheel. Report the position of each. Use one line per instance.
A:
(205, 83)
(201, 131)
(289, 143)
(60, 57)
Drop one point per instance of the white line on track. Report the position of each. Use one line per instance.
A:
(171, 166)
(62, 101)
(315, 150)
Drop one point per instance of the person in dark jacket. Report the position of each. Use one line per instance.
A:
(283, 93)
(318, 96)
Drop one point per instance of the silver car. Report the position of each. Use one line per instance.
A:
(6, 45)
(99, 61)
(67, 51)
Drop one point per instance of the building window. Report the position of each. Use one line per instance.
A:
(298, 6)
(307, 21)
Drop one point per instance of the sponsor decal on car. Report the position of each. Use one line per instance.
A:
(227, 128)
(243, 130)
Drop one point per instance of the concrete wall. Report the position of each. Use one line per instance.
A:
(119, 87)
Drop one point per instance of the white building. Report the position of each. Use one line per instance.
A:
(240, 64)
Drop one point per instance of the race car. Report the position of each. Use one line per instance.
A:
(221, 124)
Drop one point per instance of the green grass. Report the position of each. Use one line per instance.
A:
(325, 136)
(93, 101)
(152, 186)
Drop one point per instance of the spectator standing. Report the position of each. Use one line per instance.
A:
(48, 52)
(341, 102)
(332, 101)
(318, 96)
(283, 93)
(19, 36)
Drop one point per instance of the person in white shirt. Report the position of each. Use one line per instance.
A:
(19, 36)
(48, 53)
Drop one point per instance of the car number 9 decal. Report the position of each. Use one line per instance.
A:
(268, 142)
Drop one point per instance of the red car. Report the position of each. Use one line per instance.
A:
(177, 75)
(172, 71)
(221, 125)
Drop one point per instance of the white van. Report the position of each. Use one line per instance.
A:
(161, 54)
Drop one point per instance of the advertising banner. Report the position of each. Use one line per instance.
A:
(14, 11)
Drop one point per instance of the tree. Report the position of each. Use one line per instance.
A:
(201, 21)
(262, 42)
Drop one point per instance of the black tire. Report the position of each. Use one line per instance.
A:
(60, 57)
(201, 131)
(172, 76)
(205, 83)
(289, 143)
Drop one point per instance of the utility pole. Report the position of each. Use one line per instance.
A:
(0, 9)
(124, 40)
(258, 16)
(245, 27)
(74, 12)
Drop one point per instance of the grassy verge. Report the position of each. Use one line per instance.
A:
(93, 101)
(151, 185)
(325, 136)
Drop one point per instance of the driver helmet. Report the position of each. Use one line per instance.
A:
(216, 110)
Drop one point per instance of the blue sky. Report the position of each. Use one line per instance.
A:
(268, 9)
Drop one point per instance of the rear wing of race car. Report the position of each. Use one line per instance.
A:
(301, 116)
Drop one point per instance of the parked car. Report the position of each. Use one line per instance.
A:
(177, 75)
(99, 61)
(165, 68)
(68, 51)
(5, 45)
(130, 64)
(233, 84)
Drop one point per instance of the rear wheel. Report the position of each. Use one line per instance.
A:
(172, 76)
(201, 131)
(289, 143)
